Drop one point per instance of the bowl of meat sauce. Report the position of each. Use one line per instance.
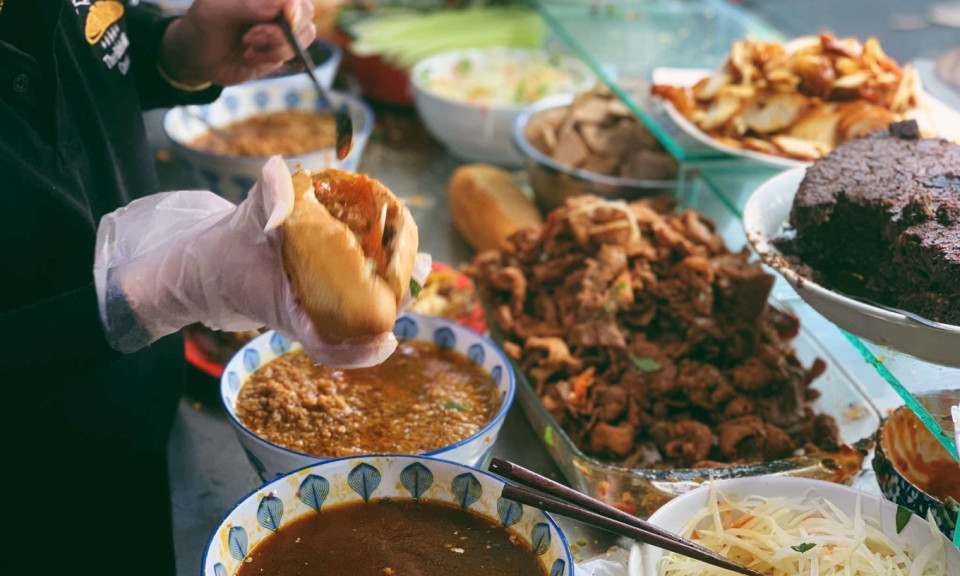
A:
(443, 393)
(261, 119)
(385, 515)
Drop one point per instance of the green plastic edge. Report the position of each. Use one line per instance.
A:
(945, 439)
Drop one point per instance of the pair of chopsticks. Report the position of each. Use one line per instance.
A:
(551, 496)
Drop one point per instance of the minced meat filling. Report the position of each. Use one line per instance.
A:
(421, 399)
(657, 349)
(352, 201)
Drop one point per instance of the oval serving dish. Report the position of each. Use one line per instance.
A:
(272, 460)
(317, 488)
(764, 215)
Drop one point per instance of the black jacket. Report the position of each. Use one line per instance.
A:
(87, 427)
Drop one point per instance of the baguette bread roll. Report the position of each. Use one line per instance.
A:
(488, 206)
(349, 247)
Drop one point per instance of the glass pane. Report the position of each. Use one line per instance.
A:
(929, 389)
(625, 41)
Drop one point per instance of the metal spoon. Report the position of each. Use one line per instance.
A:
(342, 116)
(221, 134)
(910, 315)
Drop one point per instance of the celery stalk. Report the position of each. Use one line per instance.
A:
(404, 38)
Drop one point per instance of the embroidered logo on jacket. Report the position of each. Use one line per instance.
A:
(104, 29)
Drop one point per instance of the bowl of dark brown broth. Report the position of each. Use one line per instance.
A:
(443, 393)
(389, 515)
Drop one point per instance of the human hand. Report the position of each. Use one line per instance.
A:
(172, 259)
(228, 42)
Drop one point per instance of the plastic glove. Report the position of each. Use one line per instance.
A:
(177, 258)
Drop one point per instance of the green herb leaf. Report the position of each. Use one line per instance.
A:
(548, 436)
(611, 304)
(903, 516)
(458, 406)
(647, 365)
(801, 548)
(415, 288)
(554, 60)
(464, 65)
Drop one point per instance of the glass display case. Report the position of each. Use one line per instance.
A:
(624, 42)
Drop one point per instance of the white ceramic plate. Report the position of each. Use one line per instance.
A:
(766, 212)
(675, 514)
(936, 114)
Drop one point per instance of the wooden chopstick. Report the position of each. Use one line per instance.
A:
(551, 496)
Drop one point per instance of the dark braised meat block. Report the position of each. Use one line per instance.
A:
(880, 218)
(649, 341)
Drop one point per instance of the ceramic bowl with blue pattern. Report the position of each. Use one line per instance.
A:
(910, 463)
(319, 487)
(233, 176)
(272, 460)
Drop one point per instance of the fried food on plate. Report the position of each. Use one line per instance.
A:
(349, 248)
(799, 100)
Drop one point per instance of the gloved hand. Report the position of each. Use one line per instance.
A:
(176, 258)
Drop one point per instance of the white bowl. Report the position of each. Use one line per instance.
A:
(371, 478)
(474, 132)
(766, 212)
(272, 460)
(233, 176)
(675, 514)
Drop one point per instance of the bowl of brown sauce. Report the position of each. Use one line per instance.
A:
(256, 121)
(913, 468)
(386, 515)
(443, 393)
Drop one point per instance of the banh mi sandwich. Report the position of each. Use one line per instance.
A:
(349, 247)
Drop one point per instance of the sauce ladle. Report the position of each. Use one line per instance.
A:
(341, 116)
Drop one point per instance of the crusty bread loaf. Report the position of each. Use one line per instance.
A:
(342, 292)
(488, 206)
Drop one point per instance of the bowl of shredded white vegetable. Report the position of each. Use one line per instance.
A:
(469, 99)
(800, 527)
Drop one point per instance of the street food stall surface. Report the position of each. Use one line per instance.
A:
(208, 469)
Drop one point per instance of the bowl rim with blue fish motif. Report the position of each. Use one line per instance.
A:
(505, 404)
(570, 568)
